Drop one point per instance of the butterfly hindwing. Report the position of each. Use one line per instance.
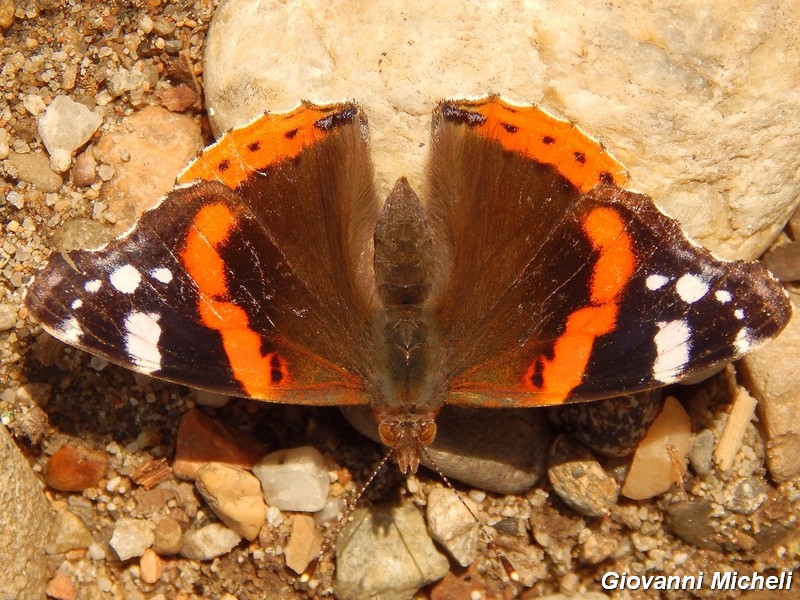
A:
(254, 287)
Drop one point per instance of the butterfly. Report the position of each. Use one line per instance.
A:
(530, 275)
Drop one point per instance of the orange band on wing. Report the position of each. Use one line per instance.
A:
(614, 267)
(534, 133)
(256, 372)
(269, 139)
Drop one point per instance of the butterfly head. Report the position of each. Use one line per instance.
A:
(407, 437)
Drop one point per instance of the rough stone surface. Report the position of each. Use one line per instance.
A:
(8, 316)
(385, 552)
(304, 543)
(33, 168)
(701, 454)
(578, 478)
(784, 261)
(25, 521)
(716, 158)
(132, 537)
(692, 522)
(294, 479)
(772, 377)
(81, 234)
(147, 151)
(612, 427)
(504, 451)
(168, 537)
(67, 532)
(65, 126)
(209, 542)
(202, 439)
(452, 525)
(75, 468)
(235, 496)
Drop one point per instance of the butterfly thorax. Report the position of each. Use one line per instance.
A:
(407, 391)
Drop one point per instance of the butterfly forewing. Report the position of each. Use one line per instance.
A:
(556, 284)
(257, 291)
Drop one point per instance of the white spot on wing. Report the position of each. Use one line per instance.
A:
(738, 313)
(743, 341)
(93, 285)
(70, 331)
(142, 333)
(691, 288)
(126, 279)
(673, 343)
(656, 282)
(76, 304)
(723, 296)
(162, 274)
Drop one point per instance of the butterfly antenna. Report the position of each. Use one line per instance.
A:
(507, 566)
(350, 506)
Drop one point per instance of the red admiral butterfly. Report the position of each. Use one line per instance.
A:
(530, 276)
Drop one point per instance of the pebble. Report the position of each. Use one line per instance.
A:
(75, 468)
(209, 542)
(204, 398)
(64, 127)
(793, 226)
(579, 480)
(701, 454)
(8, 316)
(202, 439)
(168, 537)
(385, 552)
(124, 80)
(652, 471)
(151, 136)
(692, 522)
(34, 168)
(772, 376)
(84, 171)
(461, 585)
(68, 533)
(30, 394)
(784, 261)
(503, 451)
(26, 520)
(304, 543)
(15, 199)
(30, 423)
(81, 234)
(177, 98)
(34, 104)
(60, 587)
(597, 547)
(132, 537)
(294, 479)
(744, 496)
(235, 497)
(4, 149)
(150, 566)
(452, 525)
(611, 427)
